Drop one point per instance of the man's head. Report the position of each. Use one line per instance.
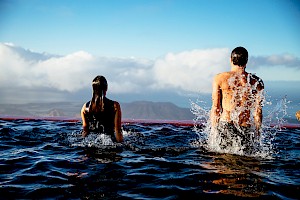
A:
(239, 56)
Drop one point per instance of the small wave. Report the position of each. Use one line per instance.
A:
(92, 140)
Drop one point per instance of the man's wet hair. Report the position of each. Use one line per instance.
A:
(239, 56)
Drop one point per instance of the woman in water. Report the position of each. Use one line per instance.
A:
(101, 114)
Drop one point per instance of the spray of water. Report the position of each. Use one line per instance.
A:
(92, 140)
(225, 141)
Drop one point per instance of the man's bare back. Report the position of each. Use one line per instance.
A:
(236, 95)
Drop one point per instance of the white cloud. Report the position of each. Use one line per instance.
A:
(286, 60)
(191, 70)
(72, 72)
(14, 69)
(127, 74)
(65, 73)
(185, 72)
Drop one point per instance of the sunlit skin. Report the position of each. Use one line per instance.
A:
(298, 115)
(232, 91)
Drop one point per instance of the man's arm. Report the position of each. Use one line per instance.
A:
(216, 103)
(258, 120)
(85, 127)
(118, 116)
(258, 110)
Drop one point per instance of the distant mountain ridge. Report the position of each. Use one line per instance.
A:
(138, 110)
(134, 110)
(155, 110)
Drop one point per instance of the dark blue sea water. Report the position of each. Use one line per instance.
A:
(43, 159)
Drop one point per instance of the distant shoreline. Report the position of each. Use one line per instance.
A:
(130, 121)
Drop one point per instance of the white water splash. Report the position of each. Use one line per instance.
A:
(96, 140)
(91, 140)
(210, 139)
(264, 147)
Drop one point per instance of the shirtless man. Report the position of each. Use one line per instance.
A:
(237, 98)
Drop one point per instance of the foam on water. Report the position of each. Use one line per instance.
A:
(91, 140)
(95, 140)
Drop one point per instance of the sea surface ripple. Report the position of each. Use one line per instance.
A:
(41, 159)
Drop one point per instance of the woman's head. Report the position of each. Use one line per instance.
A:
(99, 85)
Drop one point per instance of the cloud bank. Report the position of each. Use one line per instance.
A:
(185, 72)
(286, 60)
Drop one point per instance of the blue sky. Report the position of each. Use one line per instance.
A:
(151, 29)
(147, 49)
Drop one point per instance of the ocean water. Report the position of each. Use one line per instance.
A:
(47, 159)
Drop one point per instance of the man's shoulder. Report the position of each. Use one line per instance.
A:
(222, 76)
(256, 79)
(254, 76)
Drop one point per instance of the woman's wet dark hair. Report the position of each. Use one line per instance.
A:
(99, 85)
(239, 56)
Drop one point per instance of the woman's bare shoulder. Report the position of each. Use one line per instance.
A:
(116, 105)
